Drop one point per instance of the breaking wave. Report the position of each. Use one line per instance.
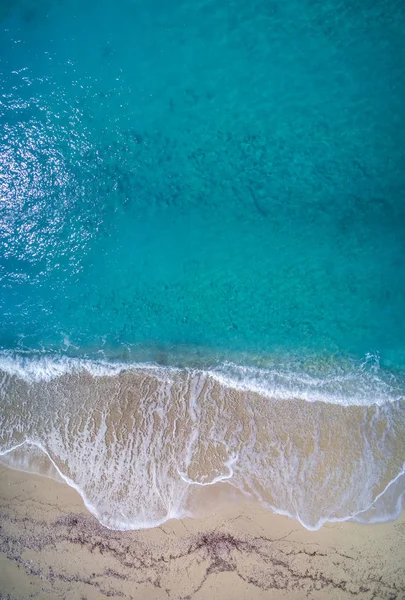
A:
(316, 440)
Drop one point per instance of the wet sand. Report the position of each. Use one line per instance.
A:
(51, 547)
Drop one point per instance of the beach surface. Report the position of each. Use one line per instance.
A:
(51, 547)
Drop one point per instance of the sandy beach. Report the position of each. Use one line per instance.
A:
(51, 547)
(202, 292)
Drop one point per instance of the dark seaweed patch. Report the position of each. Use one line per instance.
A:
(265, 563)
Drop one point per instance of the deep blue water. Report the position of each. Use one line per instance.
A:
(226, 176)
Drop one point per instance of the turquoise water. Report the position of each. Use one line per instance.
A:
(222, 176)
(218, 186)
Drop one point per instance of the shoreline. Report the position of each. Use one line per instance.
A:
(276, 376)
(51, 546)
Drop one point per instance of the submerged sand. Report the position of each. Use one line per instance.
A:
(138, 442)
(51, 547)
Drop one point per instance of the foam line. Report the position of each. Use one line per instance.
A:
(223, 477)
(355, 386)
(46, 368)
(131, 525)
(121, 526)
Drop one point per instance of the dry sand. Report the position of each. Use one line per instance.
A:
(51, 547)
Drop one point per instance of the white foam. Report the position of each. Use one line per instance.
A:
(117, 523)
(229, 464)
(35, 369)
(124, 524)
(134, 447)
(347, 384)
(48, 367)
(353, 385)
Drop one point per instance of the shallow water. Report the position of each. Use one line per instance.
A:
(217, 188)
(139, 441)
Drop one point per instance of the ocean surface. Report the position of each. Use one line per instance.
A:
(202, 253)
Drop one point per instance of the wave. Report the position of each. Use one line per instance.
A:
(317, 440)
(338, 381)
(26, 464)
(395, 490)
(47, 367)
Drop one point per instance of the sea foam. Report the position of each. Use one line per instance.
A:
(138, 441)
(348, 383)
